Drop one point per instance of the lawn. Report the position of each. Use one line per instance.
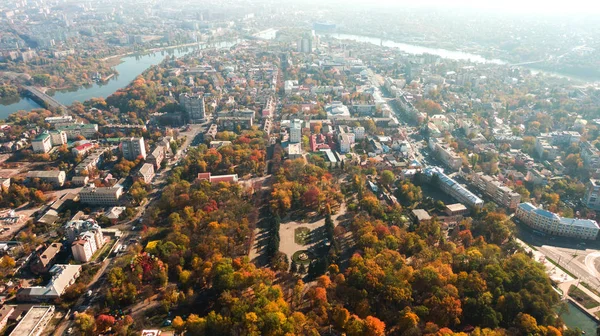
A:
(297, 259)
(301, 235)
(582, 298)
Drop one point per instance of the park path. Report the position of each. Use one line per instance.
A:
(288, 244)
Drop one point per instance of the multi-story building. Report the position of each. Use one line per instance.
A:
(296, 131)
(87, 131)
(74, 228)
(446, 153)
(346, 141)
(592, 195)
(102, 196)
(145, 173)
(45, 259)
(58, 138)
(92, 161)
(59, 120)
(499, 192)
(84, 247)
(269, 108)
(156, 157)
(305, 45)
(590, 155)
(83, 149)
(63, 276)
(55, 177)
(544, 149)
(133, 148)
(230, 120)
(551, 223)
(34, 322)
(195, 107)
(359, 132)
(453, 188)
(42, 143)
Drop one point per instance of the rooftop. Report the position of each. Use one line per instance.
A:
(32, 319)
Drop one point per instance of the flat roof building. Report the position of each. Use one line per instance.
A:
(104, 196)
(453, 188)
(34, 322)
(551, 223)
(55, 177)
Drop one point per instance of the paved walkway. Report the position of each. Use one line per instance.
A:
(563, 280)
(288, 244)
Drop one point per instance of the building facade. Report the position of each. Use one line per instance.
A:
(132, 148)
(499, 192)
(145, 173)
(551, 223)
(453, 188)
(296, 131)
(54, 177)
(101, 196)
(58, 138)
(592, 195)
(42, 143)
(195, 107)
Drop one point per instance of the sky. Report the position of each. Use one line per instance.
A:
(564, 7)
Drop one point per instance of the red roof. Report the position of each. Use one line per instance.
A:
(84, 146)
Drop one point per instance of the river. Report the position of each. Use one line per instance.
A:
(418, 50)
(449, 54)
(129, 68)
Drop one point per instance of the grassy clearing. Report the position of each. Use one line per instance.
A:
(301, 235)
(581, 297)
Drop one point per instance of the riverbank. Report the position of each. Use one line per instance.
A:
(577, 315)
(416, 49)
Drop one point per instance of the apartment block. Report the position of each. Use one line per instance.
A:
(551, 223)
(446, 153)
(195, 107)
(145, 173)
(133, 148)
(55, 177)
(453, 188)
(296, 131)
(101, 196)
(87, 131)
(499, 192)
(42, 143)
(58, 138)
(592, 194)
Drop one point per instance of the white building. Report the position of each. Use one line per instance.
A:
(42, 143)
(296, 131)
(133, 148)
(551, 223)
(337, 110)
(145, 173)
(55, 177)
(359, 132)
(63, 276)
(84, 247)
(103, 196)
(592, 195)
(87, 131)
(195, 106)
(34, 322)
(58, 138)
(499, 192)
(453, 188)
(347, 139)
